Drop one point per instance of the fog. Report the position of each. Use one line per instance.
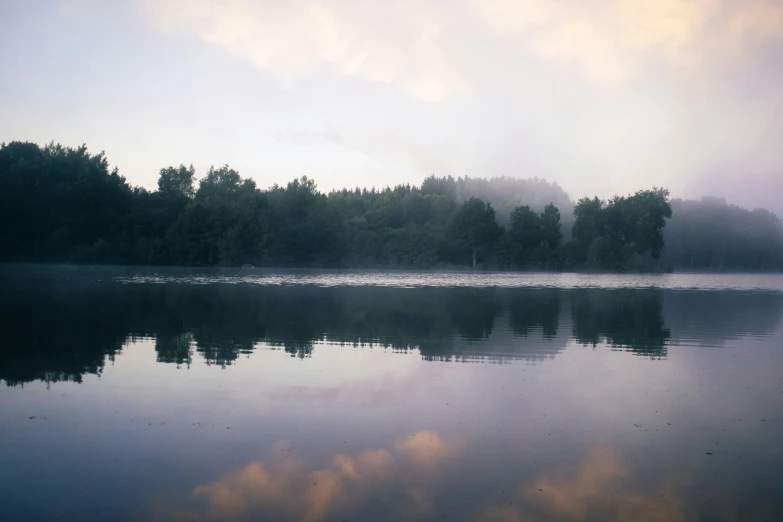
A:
(602, 97)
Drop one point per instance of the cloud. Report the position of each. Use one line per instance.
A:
(604, 96)
(311, 137)
(610, 40)
(757, 21)
(383, 42)
(426, 48)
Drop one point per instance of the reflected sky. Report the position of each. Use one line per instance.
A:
(283, 487)
(404, 480)
(221, 402)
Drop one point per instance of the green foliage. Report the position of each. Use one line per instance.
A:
(589, 225)
(506, 194)
(608, 237)
(473, 231)
(227, 223)
(60, 204)
(177, 182)
(609, 253)
(525, 228)
(308, 231)
(531, 240)
(442, 186)
(550, 225)
(638, 220)
(57, 203)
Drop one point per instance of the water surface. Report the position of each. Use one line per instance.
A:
(318, 396)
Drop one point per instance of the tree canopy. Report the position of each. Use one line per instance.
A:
(61, 204)
(608, 236)
(473, 230)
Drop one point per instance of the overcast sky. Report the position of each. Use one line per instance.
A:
(602, 96)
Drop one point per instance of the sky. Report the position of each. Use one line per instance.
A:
(602, 96)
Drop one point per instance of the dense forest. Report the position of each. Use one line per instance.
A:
(61, 204)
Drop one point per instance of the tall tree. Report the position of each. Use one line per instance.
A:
(608, 237)
(638, 220)
(177, 183)
(310, 231)
(525, 228)
(474, 230)
(550, 225)
(590, 221)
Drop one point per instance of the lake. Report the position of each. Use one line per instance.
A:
(144, 394)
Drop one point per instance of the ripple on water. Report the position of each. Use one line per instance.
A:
(742, 282)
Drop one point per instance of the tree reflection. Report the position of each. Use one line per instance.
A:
(720, 316)
(473, 312)
(59, 329)
(175, 348)
(533, 309)
(624, 319)
(54, 336)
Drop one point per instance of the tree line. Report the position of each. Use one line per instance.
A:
(62, 204)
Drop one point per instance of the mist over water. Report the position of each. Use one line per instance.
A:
(167, 394)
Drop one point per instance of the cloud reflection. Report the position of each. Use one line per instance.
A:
(415, 479)
(596, 490)
(284, 488)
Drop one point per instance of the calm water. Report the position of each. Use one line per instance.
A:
(371, 396)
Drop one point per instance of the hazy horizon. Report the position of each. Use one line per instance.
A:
(603, 97)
